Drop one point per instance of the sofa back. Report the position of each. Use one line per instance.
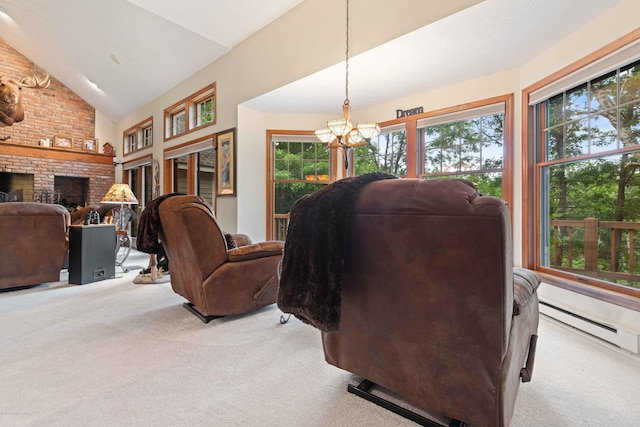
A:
(34, 245)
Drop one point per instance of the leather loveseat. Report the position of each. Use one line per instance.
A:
(34, 244)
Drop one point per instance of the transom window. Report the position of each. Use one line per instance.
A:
(192, 113)
(138, 136)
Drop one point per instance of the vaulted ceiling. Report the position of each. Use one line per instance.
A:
(135, 50)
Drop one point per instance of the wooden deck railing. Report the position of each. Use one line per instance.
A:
(613, 263)
(281, 222)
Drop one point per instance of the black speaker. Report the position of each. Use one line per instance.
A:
(92, 253)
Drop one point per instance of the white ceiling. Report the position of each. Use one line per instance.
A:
(135, 50)
(492, 36)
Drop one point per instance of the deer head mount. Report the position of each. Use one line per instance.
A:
(11, 110)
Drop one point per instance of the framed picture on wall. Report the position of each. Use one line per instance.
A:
(62, 141)
(226, 163)
(90, 144)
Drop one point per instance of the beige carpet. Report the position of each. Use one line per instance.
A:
(113, 353)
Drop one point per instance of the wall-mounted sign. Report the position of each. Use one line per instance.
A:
(410, 112)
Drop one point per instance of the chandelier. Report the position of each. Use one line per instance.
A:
(341, 133)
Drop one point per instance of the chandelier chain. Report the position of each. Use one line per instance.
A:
(346, 100)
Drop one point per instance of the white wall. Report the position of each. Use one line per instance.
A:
(286, 51)
(105, 130)
(283, 52)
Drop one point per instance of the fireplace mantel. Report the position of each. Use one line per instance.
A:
(52, 153)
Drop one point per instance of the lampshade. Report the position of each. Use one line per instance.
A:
(355, 137)
(340, 127)
(325, 135)
(120, 193)
(368, 130)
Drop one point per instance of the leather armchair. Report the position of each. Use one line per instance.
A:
(216, 280)
(35, 243)
(432, 308)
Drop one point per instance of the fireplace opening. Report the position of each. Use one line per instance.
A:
(72, 191)
(16, 187)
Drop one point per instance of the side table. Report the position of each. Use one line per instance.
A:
(91, 253)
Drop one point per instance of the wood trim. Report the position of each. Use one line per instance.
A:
(61, 154)
(191, 174)
(167, 177)
(507, 166)
(412, 147)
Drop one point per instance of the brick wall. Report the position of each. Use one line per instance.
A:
(50, 112)
(47, 112)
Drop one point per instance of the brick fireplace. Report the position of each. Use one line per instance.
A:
(48, 173)
(36, 172)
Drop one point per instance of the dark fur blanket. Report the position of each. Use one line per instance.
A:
(149, 226)
(311, 277)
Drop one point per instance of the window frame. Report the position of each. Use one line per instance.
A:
(571, 76)
(271, 134)
(133, 139)
(189, 106)
(476, 110)
(189, 149)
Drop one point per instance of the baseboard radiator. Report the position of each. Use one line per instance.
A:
(624, 339)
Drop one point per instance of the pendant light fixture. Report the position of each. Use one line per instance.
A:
(340, 133)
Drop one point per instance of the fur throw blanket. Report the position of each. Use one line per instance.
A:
(149, 226)
(316, 243)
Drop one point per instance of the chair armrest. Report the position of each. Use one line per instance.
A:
(256, 250)
(242, 239)
(525, 284)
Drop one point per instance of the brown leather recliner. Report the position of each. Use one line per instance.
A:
(431, 306)
(35, 243)
(216, 280)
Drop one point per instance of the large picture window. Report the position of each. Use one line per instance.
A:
(386, 152)
(469, 144)
(587, 162)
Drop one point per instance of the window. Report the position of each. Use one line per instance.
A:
(300, 166)
(385, 153)
(177, 123)
(180, 174)
(192, 113)
(138, 136)
(147, 136)
(192, 168)
(469, 144)
(204, 112)
(205, 179)
(587, 160)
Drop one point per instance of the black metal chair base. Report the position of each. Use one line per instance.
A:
(284, 318)
(363, 391)
(192, 308)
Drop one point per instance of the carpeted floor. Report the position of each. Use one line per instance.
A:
(114, 353)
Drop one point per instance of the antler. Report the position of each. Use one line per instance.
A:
(35, 82)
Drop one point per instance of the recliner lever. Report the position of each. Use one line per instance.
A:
(527, 372)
